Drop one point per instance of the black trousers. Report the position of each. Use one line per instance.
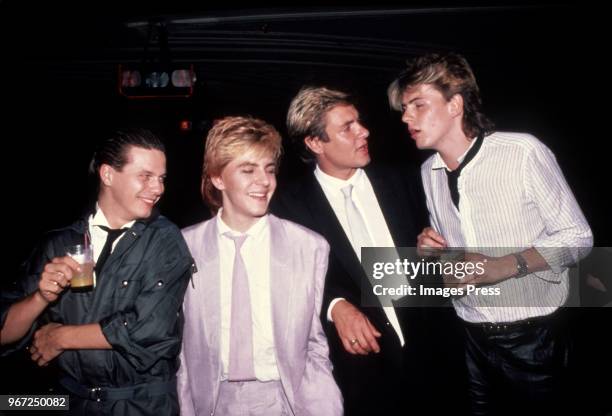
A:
(518, 368)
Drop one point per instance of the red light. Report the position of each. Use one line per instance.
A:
(185, 125)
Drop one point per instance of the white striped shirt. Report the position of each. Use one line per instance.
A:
(513, 196)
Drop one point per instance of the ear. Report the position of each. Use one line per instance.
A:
(455, 105)
(217, 182)
(314, 144)
(106, 174)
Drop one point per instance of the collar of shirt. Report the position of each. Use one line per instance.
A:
(98, 235)
(335, 184)
(256, 229)
(439, 163)
(98, 219)
(364, 198)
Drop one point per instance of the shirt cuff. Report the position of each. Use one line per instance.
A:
(560, 258)
(331, 306)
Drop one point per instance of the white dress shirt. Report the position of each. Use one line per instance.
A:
(365, 200)
(98, 235)
(513, 196)
(256, 256)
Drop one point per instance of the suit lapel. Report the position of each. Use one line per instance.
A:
(208, 286)
(331, 229)
(281, 288)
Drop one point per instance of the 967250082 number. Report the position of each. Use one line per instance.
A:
(34, 402)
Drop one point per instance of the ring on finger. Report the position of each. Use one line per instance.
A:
(354, 341)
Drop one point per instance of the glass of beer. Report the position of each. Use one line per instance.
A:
(82, 254)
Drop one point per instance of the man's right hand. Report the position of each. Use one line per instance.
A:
(357, 333)
(56, 276)
(429, 241)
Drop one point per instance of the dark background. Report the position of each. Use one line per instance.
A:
(540, 69)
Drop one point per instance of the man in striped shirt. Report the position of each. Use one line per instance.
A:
(503, 196)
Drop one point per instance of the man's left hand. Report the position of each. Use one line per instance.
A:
(46, 345)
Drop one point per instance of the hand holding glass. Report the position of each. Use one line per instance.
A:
(83, 255)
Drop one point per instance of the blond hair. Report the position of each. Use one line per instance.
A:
(227, 139)
(306, 115)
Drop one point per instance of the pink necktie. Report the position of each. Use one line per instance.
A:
(241, 326)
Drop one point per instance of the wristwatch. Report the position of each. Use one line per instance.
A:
(522, 268)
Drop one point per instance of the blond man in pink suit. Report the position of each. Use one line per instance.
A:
(266, 353)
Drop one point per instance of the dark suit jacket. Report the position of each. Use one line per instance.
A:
(362, 378)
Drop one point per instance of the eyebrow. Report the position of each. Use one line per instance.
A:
(254, 164)
(413, 100)
(148, 172)
(349, 122)
(245, 164)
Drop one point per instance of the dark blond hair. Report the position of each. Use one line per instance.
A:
(306, 115)
(450, 74)
(227, 139)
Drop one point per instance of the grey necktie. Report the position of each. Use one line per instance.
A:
(241, 327)
(360, 237)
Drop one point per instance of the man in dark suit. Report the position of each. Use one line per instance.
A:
(353, 205)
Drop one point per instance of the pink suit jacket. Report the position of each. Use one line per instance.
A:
(297, 266)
